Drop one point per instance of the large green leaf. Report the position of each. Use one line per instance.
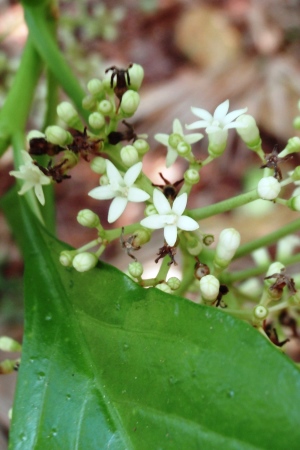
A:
(108, 365)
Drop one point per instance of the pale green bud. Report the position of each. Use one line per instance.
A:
(105, 107)
(260, 312)
(141, 146)
(174, 140)
(88, 218)
(98, 165)
(8, 344)
(194, 247)
(229, 241)
(164, 287)
(141, 237)
(296, 174)
(57, 135)
(191, 176)
(268, 188)
(136, 74)
(95, 87)
(84, 261)
(8, 366)
(275, 267)
(293, 146)
(173, 283)
(135, 269)
(66, 258)
(217, 142)
(183, 149)
(89, 102)
(104, 181)
(70, 158)
(150, 210)
(96, 120)
(249, 132)
(130, 102)
(68, 114)
(294, 203)
(129, 155)
(296, 123)
(34, 134)
(209, 287)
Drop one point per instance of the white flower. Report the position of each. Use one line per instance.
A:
(169, 218)
(33, 177)
(121, 189)
(219, 121)
(268, 188)
(209, 287)
(171, 141)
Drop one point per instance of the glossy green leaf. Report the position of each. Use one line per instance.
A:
(108, 365)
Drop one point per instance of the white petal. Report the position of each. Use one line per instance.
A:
(198, 124)
(202, 113)
(102, 193)
(161, 203)
(162, 138)
(171, 157)
(177, 127)
(170, 233)
(40, 194)
(116, 208)
(26, 187)
(221, 111)
(234, 125)
(16, 174)
(132, 174)
(113, 174)
(26, 157)
(179, 204)
(154, 222)
(187, 223)
(233, 115)
(192, 138)
(137, 195)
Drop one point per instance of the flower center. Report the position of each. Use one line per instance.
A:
(171, 219)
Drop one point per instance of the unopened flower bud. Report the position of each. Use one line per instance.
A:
(136, 74)
(96, 120)
(70, 160)
(173, 283)
(84, 261)
(89, 102)
(34, 134)
(217, 142)
(88, 218)
(275, 267)
(260, 312)
(194, 246)
(68, 114)
(164, 287)
(183, 149)
(141, 146)
(293, 146)
(141, 237)
(191, 176)
(104, 180)
(105, 107)
(268, 188)
(209, 287)
(95, 87)
(130, 102)
(296, 174)
(296, 123)
(174, 140)
(129, 155)
(8, 344)
(286, 246)
(150, 210)
(229, 241)
(58, 136)
(8, 365)
(98, 165)
(249, 132)
(66, 258)
(135, 269)
(294, 203)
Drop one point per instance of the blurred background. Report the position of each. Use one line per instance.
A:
(194, 53)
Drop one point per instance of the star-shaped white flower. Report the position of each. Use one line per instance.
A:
(219, 121)
(33, 177)
(121, 189)
(177, 130)
(169, 218)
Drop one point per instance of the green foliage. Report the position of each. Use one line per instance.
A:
(107, 364)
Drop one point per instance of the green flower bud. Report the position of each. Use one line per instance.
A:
(57, 135)
(260, 312)
(136, 74)
(293, 146)
(8, 365)
(174, 140)
(104, 181)
(88, 218)
(296, 174)
(141, 237)
(71, 160)
(66, 258)
(8, 344)
(84, 261)
(194, 246)
(135, 269)
(34, 134)
(95, 87)
(164, 287)
(173, 283)
(191, 176)
(217, 142)
(141, 146)
(68, 114)
(129, 155)
(294, 203)
(89, 102)
(96, 120)
(209, 287)
(249, 133)
(98, 165)
(105, 107)
(150, 210)
(130, 102)
(275, 267)
(296, 123)
(183, 149)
